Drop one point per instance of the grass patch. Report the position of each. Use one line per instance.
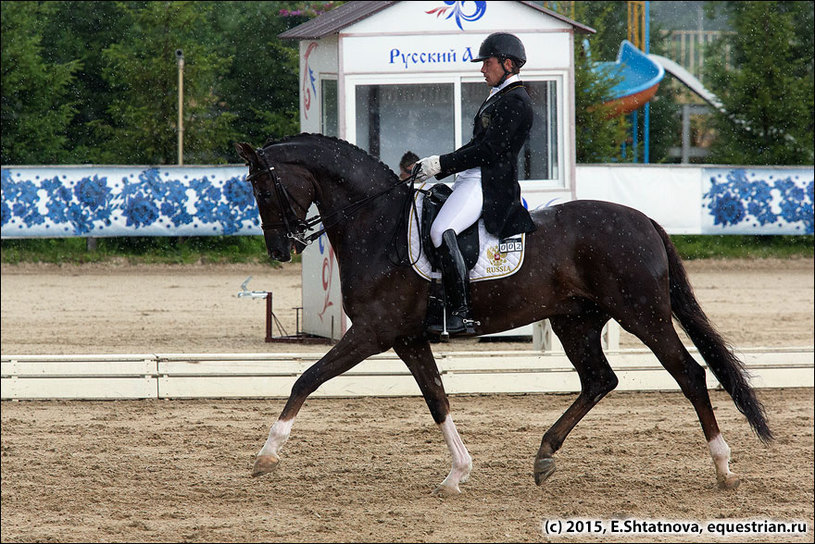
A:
(251, 249)
(743, 246)
(139, 250)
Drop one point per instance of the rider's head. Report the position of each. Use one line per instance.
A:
(503, 55)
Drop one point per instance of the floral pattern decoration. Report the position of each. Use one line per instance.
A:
(755, 201)
(126, 202)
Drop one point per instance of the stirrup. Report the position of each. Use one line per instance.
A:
(458, 325)
(468, 323)
(452, 325)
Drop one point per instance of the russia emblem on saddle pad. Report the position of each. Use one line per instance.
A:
(496, 258)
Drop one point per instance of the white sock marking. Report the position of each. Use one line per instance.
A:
(720, 452)
(278, 435)
(462, 462)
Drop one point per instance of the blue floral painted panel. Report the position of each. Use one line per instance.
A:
(127, 201)
(757, 201)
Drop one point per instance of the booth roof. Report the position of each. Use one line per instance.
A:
(332, 22)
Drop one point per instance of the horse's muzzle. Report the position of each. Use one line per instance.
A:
(278, 255)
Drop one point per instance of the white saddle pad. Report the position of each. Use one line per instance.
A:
(496, 258)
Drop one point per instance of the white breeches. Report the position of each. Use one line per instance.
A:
(463, 207)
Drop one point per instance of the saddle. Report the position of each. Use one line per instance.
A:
(494, 259)
(468, 240)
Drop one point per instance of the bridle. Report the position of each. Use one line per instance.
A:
(297, 228)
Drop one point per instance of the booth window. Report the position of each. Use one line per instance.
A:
(538, 158)
(393, 119)
(329, 106)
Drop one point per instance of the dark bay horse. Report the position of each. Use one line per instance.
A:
(587, 262)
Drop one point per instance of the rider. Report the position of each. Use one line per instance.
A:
(487, 167)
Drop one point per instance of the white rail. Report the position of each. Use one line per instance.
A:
(253, 375)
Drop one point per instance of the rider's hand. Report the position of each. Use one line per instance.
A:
(428, 167)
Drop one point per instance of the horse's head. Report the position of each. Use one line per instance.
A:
(283, 193)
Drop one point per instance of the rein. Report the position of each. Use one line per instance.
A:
(296, 228)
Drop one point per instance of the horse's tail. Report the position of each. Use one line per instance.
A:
(721, 360)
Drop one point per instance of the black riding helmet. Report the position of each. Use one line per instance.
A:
(502, 45)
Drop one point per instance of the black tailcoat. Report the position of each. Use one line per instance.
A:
(500, 129)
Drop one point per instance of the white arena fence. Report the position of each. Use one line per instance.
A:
(263, 375)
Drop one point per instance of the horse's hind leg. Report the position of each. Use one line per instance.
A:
(581, 339)
(690, 376)
(352, 349)
(416, 353)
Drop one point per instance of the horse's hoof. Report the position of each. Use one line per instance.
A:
(265, 464)
(731, 481)
(543, 469)
(446, 491)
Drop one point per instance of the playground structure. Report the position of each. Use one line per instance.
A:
(640, 73)
(639, 77)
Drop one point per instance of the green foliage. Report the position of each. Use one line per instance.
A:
(665, 123)
(103, 88)
(81, 31)
(142, 72)
(260, 87)
(769, 93)
(609, 19)
(598, 135)
(36, 105)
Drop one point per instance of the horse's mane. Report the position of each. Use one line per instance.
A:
(344, 148)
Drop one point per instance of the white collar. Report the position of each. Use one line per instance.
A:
(512, 79)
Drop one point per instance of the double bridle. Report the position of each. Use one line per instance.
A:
(296, 228)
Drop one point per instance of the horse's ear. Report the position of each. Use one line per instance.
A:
(247, 153)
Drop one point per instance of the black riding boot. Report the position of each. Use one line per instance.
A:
(456, 279)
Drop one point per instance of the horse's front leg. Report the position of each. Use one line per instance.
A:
(352, 349)
(416, 353)
(580, 336)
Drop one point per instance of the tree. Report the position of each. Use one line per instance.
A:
(141, 70)
(36, 107)
(598, 134)
(81, 31)
(768, 94)
(260, 86)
